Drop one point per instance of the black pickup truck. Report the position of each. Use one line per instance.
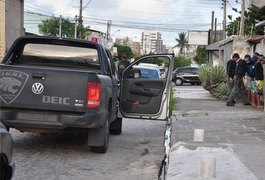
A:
(48, 84)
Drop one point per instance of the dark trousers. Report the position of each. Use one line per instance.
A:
(230, 85)
(238, 87)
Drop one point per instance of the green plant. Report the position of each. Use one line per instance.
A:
(211, 77)
(181, 61)
(221, 91)
(201, 56)
(182, 41)
(214, 80)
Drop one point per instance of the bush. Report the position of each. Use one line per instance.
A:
(181, 61)
(214, 80)
(221, 91)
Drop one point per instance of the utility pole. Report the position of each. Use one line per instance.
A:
(108, 29)
(60, 26)
(215, 28)
(224, 20)
(242, 21)
(211, 34)
(76, 20)
(80, 19)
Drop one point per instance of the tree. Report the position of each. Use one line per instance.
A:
(50, 27)
(181, 61)
(254, 15)
(233, 27)
(124, 50)
(182, 42)
(257, 14)
(201, 56)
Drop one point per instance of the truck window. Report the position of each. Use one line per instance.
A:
(59, 55)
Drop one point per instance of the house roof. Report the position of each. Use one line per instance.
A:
(212, 47)
(255, 39)
(260, 23)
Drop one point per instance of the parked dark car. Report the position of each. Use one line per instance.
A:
(186, 75)
(7, 165)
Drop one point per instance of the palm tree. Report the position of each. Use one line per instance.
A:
(182, 42)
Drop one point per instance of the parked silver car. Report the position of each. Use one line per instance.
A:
(7, 165)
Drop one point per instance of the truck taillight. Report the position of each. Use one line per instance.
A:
(93, 95)
(94, 39)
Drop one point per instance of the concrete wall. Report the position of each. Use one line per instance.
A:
(225, 51)
(2, 30)
(260, 47)
(258, 3)
(241, 47)
(233, 45)
(11, 18)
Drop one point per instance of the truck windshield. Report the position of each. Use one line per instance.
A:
(59, 55)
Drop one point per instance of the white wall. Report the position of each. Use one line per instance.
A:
(198, 38)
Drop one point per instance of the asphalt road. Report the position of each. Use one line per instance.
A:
(135, 154)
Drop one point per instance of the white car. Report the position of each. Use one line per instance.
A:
(148, 71)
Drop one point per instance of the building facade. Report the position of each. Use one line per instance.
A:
(196, 38)
(136, 48)
(151, 42)
(11, 23)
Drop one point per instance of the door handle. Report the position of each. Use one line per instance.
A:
(38, 75)
(139, 84)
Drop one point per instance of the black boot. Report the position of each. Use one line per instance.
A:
(230, 104)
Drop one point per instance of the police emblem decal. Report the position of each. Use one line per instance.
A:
(11, 84)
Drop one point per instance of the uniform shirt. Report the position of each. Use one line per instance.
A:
(231, 68)
(258, 71)
(241, 68)
(123, 64)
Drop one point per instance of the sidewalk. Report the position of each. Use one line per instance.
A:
(234, 135)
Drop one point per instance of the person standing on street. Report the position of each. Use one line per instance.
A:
(122, 65)
(231, 69)
(241, 70)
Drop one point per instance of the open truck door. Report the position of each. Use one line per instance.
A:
(145, 87)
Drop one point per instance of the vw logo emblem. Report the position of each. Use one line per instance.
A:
(37, 88)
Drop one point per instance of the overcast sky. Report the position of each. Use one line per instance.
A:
(166, 16)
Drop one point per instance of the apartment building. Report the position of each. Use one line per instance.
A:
(151, 42)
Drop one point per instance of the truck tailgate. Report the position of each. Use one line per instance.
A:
(44, 88)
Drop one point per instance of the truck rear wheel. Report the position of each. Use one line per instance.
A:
(116, 127)
(103, 149)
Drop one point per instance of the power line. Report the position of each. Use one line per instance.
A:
(87, 4)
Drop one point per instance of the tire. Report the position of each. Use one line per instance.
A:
(192, 83)
(178, 82)
(116, 127)
(103, 149)
(5, 169)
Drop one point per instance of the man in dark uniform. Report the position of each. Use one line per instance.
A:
(122, 65)
(231, 69)
(241, 69)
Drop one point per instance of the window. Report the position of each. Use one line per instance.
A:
(59, 55)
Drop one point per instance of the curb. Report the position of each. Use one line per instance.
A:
(167, 145)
